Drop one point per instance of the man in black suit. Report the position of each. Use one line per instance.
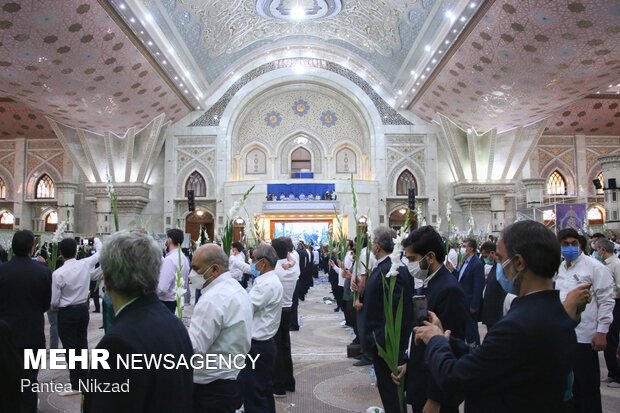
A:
(493, 295)
(471, 277)
(373, 295)
(25, 295)
(425, 251)
(525, 360)
(304, 268)
(143, 325)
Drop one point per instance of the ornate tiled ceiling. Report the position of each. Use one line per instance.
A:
(69, 60)
(526, 60)
(590, 116)
(19, 120)
(220, 33)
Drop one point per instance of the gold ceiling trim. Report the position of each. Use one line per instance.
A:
(120, 22)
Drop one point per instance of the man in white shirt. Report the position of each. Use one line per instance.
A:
(221, 324)
(604, 251)
(283, 379)
(168, 273)
(578, 269)
(266, 297)
(236, 263)
(70, 291)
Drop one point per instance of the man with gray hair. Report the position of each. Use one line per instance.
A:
(143, 325)
(374, 323)
(221, 324)
(604, 252)
(266, 296)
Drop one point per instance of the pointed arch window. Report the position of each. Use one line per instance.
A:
(596, 215)
(45, 188)
(6, 218)
(301, 160)
(197, 183)
(556, 184)
(2, 189)
(405, 181)
(51, 221)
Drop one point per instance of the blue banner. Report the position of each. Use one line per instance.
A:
(570, 216)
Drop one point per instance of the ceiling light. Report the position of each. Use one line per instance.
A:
(413, 90)
(423, 77)
(428, 68)
(156, 53)
(418, 84)
(598, 92)
(150, 43)
(132, 20)
(413, 73)
(427, 48)
(122, 6)
(400, 92)
(447, 41)
(405, 100)
(449, 14)
(298, 13)
(434, 61)
(472, 5)
(611, 85)
(185, 91)
(180, 84)
(197, 107)
(439, 52)
(176, 78)
(141, 31)
(148, 17)
(463, 18)
(163, 61)
(454, 31)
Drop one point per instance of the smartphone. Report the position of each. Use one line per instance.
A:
(420, 310)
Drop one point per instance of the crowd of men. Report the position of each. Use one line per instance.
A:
(548, 305)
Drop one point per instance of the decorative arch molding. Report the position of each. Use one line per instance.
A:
(207, 209)
(357, 152)
(244, 159)
(287, 145)
(8, 182)
(187, 170)
(213, 115)
(46, 211)
(34, 176)
(565, 171)
(415, 169)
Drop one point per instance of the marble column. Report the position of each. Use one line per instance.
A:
(498, 211)
(534, 192)
(611, 172)
(65, 194)
(104, 215)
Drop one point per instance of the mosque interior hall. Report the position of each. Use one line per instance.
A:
(300, 118)
(491, 111)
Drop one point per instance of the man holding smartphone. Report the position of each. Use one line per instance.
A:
(425, 251)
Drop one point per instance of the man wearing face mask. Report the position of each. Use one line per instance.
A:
(425, 251)
(374, 325)
(471, 278)
(221, 324)
(577, 269)
(168, 273)
(525, 359)
(266, 297)
(493, 295)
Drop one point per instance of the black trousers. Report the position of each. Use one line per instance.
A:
(350, 316)
(172, 306)
(361, 331)
(338, 294)
(294, 323)
(385, 385)
(94, 294)
(72, 330)
(283, 378)
(611, 358)
(587, 386)
(219, 396)
(257, 384)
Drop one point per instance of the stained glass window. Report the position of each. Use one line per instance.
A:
(556, 184)
(45, 188)
(197, 183)
(405, 181)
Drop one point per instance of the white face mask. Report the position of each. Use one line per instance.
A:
(463, 251)
(198, 280)
(416, 271)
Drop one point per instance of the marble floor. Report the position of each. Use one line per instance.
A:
(326, 380)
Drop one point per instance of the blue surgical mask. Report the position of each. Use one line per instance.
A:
(507, 285)
(598, 256)
(489, 261)
(570, 252)
(253, 270)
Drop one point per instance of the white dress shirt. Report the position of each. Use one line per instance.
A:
(288, 278)
(221, 324)
(266, 297)
(237, 266)
(597, 316)
(71, 282)
(294, 255)
(168, 275)
(613, 264)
